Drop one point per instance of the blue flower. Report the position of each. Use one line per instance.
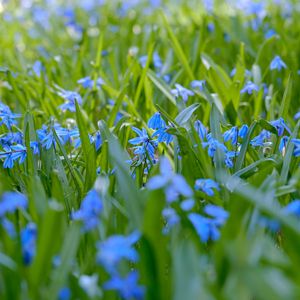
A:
(229, 155)
(283, 143)
(260, 139)
(90, 210)
(173, 184)
(64, 293)
(249, 88)
(213, 145)
(243, 131)
(296, 143)
(115, 249)
(201, 130)
(277, 63)
(70, 98)
(34, 145)
(11, 201)
(163, 135)
(156, 121)
(9, 119)
(293, 208)
(270, 32)
(88, 83)
(208, 228)
(28, 243)
(297, 116)
(9, 227)
(38, 68)
(206, 186)
(182, 92)
(218, 213)
(280, 126)
(231, 134)
(127, 287)
(198, 84)
(147, 145)
(12, 154)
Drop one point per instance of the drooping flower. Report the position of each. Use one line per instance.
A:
(90, 210)
(277, 64)
(243, 131)
(231, 134)
(207, 186)
(280, 126)
(201, 130)
(156, 121)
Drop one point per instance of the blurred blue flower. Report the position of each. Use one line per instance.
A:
(198, 84)
(9, 227)
(206, 186)
(70, 97)
(173, 184)
(249, 88)
(11, 201)
(182, 92)
(28, 243)
(297, 115)
(38, 68)
(88, 83)
(116, 248)
(64, 293)
(90, 210)
(277, 64)
(293, 208)
(208, 227)
(127, 287)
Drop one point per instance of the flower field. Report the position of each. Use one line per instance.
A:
(149, 149)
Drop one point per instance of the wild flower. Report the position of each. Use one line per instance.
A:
(173, 184)
(277, 64)
(207, 186)
(90, 210)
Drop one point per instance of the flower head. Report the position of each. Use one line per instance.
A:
(277, 64)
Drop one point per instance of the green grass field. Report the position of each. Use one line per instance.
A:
(149, 149)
